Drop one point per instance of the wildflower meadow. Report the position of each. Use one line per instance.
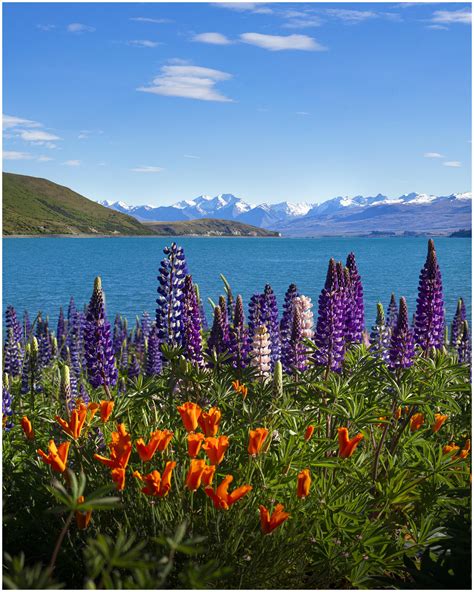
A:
(279, 447)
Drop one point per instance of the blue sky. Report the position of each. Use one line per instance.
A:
(154, 102)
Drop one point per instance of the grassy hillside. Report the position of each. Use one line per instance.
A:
(208, 227)
(37, 206)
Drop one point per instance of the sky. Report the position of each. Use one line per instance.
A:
(151, 103)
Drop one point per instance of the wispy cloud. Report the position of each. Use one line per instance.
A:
(453, 163)
(433, 155)
(191, 82)
(13, 155)
(301, 113)
(351, 16)
(10, 121)
(191, 156)
(143, 43)
(254, 7)
(80, 28)
(72, 163)
(45, 27)
(301, 20)
(147, 169)
(146, 19)
(437, 27)
(44, 158)
(282, 42)
(37, 136)
(452, 16)
(212, 38)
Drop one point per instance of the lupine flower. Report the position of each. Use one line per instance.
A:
(27, 428)
(304, 305)
(270, 320)
(117, 335)
(429, 317)
(294, 350)
(357, 297)
(255, 314)
(239, 344)
(217, 339)
(133, 367)
(106, 408)
(153, 354)
(199, 472)
(190, 413)
(61, 328)
(44, 343)
(224, 322)
(100, 360)
(286, 322)
(329, 336)
(57, 456)
(309, 433)
(221, 497)
(173, 270)
(269, 523)
(11, 322)
(261, 352)
(277, 387)
(256, 439)
(159, 440)
(120, 450)
(402, 349)
(192, 339)
(157, 485)
(240, 388)
(118, 477)
(12, 360)
(464, 349)
(347, 446)
(26, 328)
(392, 312)
(416, 421)
(215, 448)
(209, 422)
(82, 517)
(457, 324)
(194, 444)
(439, 421)
(380, 336)
(7, 411)
(304, 483)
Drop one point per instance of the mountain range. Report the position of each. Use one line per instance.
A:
(409, 213)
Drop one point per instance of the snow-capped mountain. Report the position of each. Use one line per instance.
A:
(410, 212)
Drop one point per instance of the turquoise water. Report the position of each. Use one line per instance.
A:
(41, 274)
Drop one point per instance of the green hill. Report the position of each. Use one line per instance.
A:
(37, 206)
(208, 227)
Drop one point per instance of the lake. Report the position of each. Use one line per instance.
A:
(41, 274)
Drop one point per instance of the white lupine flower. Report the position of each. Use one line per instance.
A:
(261, 350)
(304, 305)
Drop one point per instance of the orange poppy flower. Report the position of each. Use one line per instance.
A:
(118, 476)
(439, 420)
(27, 428)
(106, 408)
(157, 485)
(194, 444)
(74, 426)
(256, 439)
(416, 421)
(222, 498)
(209, 422)
(82, 518)
(159, 440)
(304, 483)
(120, 449)
(195, 473)
(309, 433)
(208, 475)
(190, 413)
(450, 448)
(465, 451)
(240, 388)
(215, 448)
(269, 523)
(57, 456)
(347, 446)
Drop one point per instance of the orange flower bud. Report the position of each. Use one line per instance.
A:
(256, 439)
(416, 421)
(208, 475)
(57, 456)
(82, 518)
(397, 414)
(347, 446)
(194, 444)
(27, 428)
(190, 413)
(157, 485)
(240, 388)
(209, 422)
(159, 440)
(269, 523)
(465, 451)
(309, 433)
(195, 473)
(221, 498)
(106, 408)
(304, 483)
(74, 426)
(450, 448)
(439, 420)
(215, 448)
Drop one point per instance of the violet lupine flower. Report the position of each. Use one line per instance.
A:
(224, 321)
(192, 338)
(216, 342)
(83, 394)
(145, 324)
(31, 372)
(7, 410)
(271, 321)
(173, 270)
(329, 335)
(61, 328)
(287, 316)
(26, 327)
(117, 335)
(260, 355)
(13, 357)
(124, 354)
(464, 348)
(392, 312)
(12, 323)
(347, 307)
(293, 349)
(134, 367)
(357, 297)
(402, 345)
(429, 317)
(98, 352)
(239, 339)
(153, 353)
(25, 372)
(380, 336)
(457, 324)
(73, 378)
(255, 313)
(44, 343)
(74, 342)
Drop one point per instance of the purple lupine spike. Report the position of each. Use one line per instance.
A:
(74, 343)
(13, 357)
(26, 327)
(392, 312)
(11, 322)
(216, 342)
(98, 349)
(255, 314)
(294, 350)
(134, 367)
(239, 339)
(192, 339)
(357, 295)
(72, 378)
(72, 310)
(464, 348)
(153, 353)
(286, 322)
(61, 328)
(117, 335)
(44, 344)
(429, 317)
(83, 394)
(145, 324)
(347, 308)
(271, 321)
(402, 348)
(224, 321)
(173, 270)
(26, 371)
(31, 373)
(457, 324)
(380, 336)
(7, 411)
(329, 335)
(124, 354)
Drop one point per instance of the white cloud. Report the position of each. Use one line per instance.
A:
(452, 16)
(213, 38)
(191, 82)
(282, 42)
(453, 163)
(302, 22)
(438, 27)
(45, 27)
(256, 8)
(302, 113)
(80, 28)
(145, 19)
(147, 169)
(37, 136)
(191, 156)
(73, 163)
(13, 155)
(351, 16)
(433, 155)
(143, 43)
(44, 158)
(10, 121)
